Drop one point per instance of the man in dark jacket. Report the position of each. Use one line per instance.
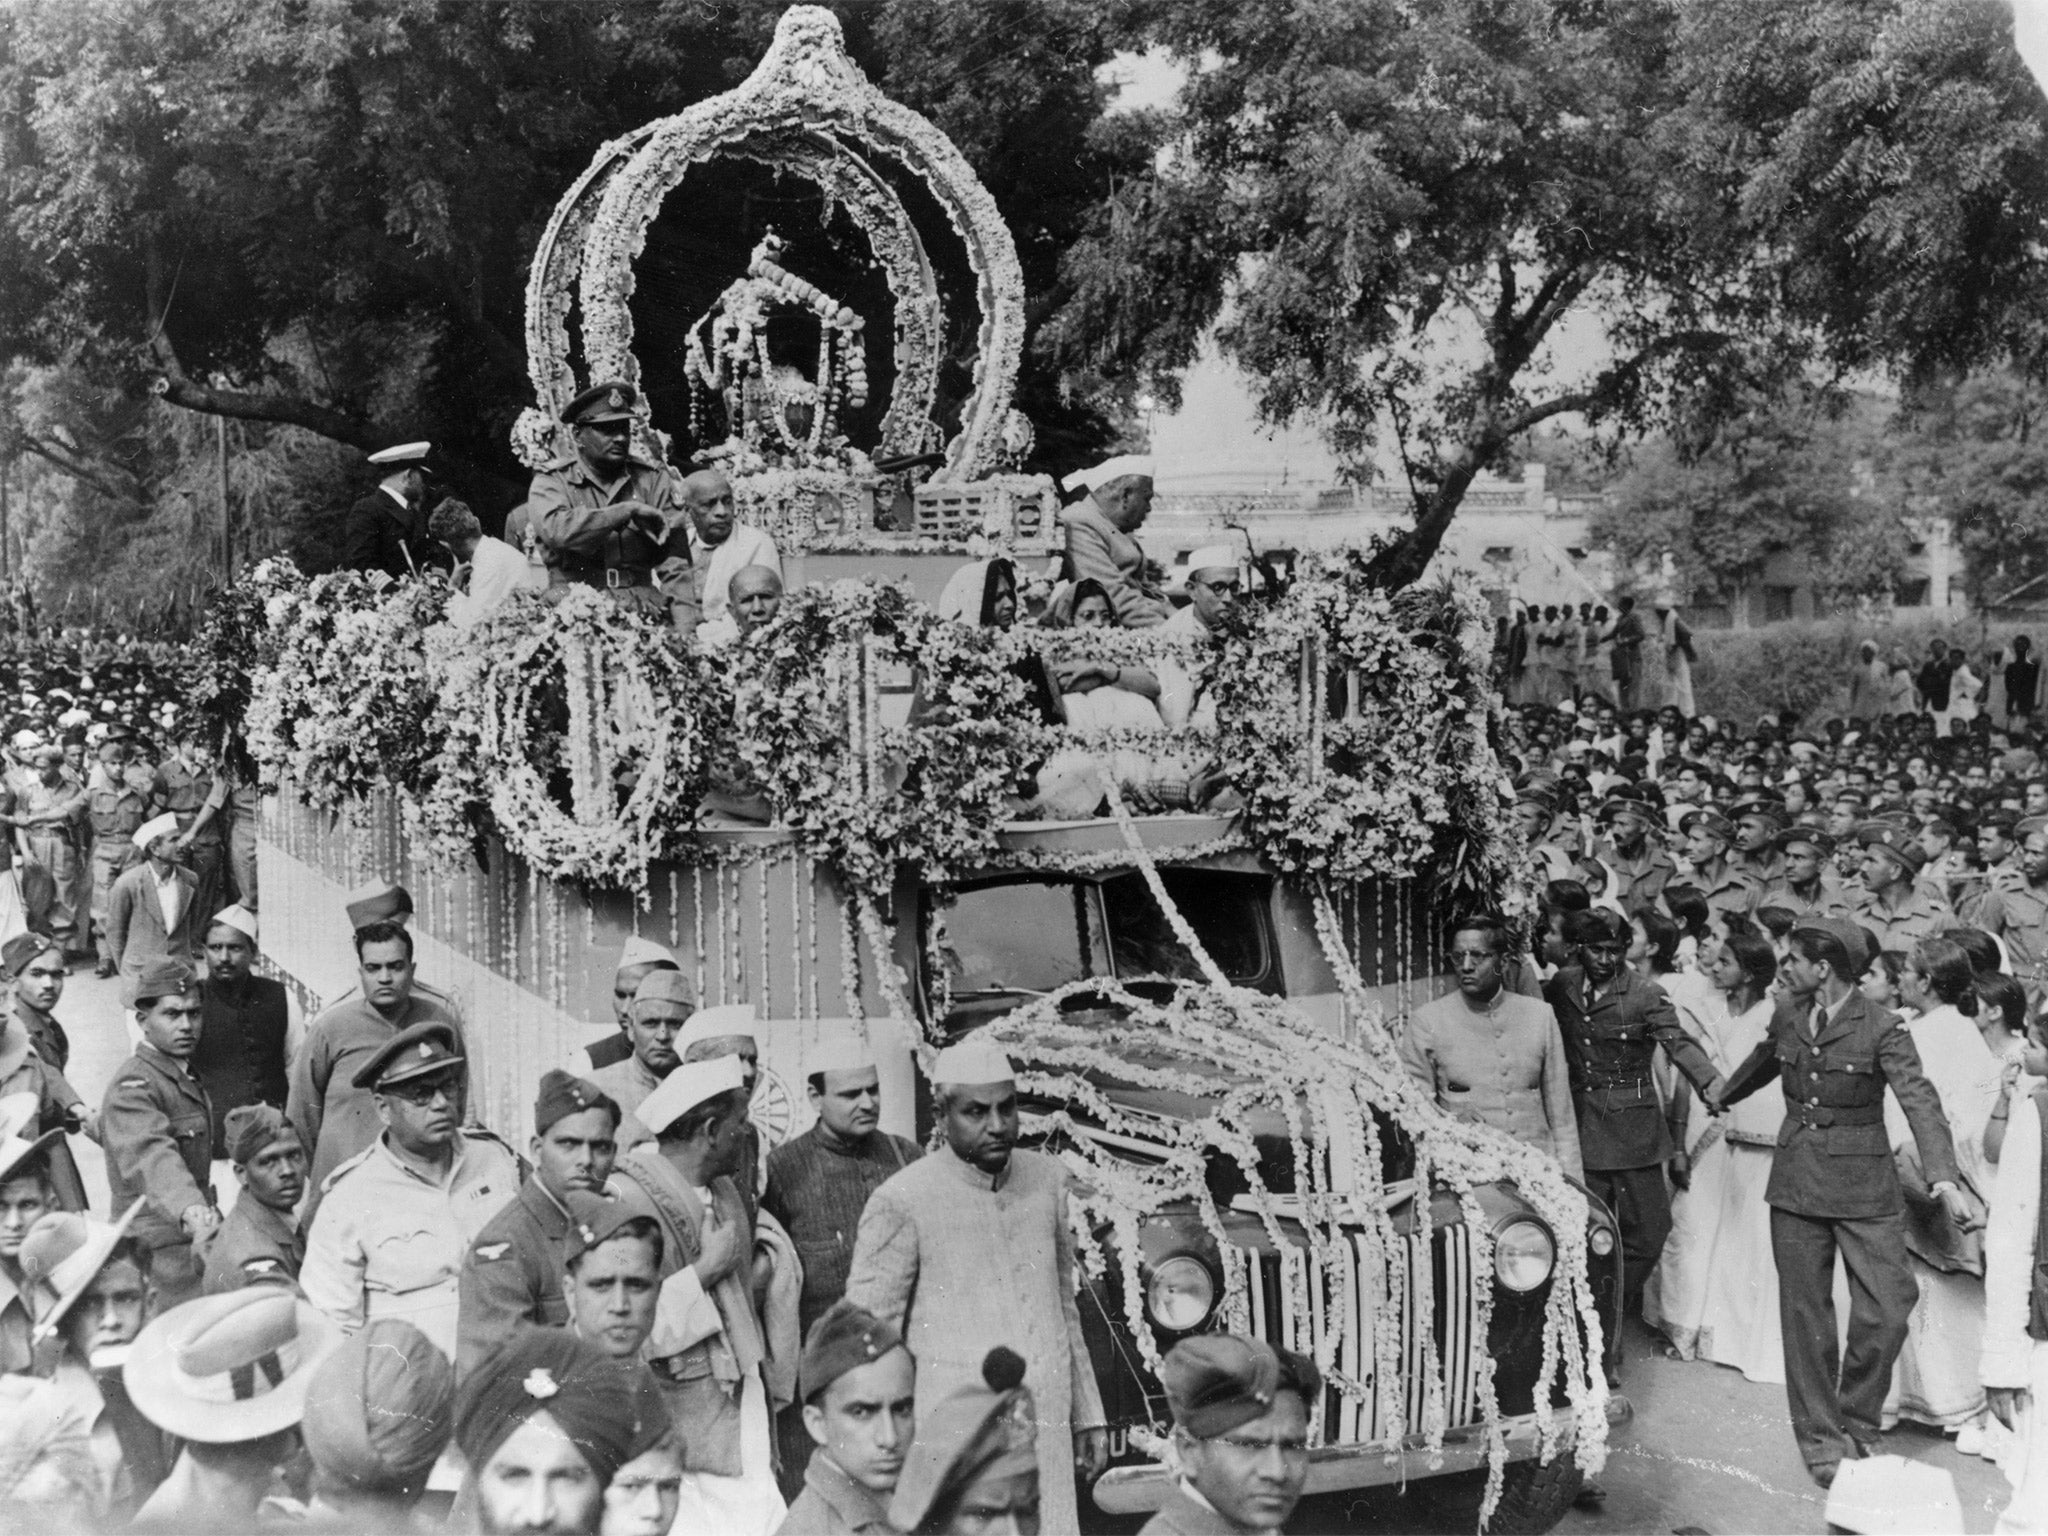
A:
(1834, 1186)
(386, 529)
(1613, 1021)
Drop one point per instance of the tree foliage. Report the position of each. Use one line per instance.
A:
(321, 216)
(1835, 489)
(1397, 216)
(1982, 455)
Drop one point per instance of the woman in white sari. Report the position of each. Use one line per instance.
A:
(1936, 1382)
(1715, 1292)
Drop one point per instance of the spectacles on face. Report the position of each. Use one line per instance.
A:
(421, 1094)
(1230, 585)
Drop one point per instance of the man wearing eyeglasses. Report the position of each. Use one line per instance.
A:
(390, 1236)
(1240, 1435)
(1214, 585)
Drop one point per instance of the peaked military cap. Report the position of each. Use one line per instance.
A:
(416, 1052)
(613, 400)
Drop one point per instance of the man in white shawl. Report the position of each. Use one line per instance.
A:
(969, 1248)
(721, 545)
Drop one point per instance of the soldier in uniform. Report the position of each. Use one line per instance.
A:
(157, 1129)
(1612, 1022)
(381, 901)
(196, 792)
(397, 1217)
(119, 797)
(45, 809)
(1707, 836)
(1756, 858)
(260, 1242)
(513, 1271)
(1240, 1427)
(1833, 1187)
(36, 974)
(1807, 887)
(386, 530)
(2020, 916)
(1893, 904)
(1536, 814)
(608, 518)
(1642, 868)
(1998, 844)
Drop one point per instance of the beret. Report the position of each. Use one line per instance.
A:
(415, 1052)
(844, 1339)
(380, 1409)
(161, 978)
(611, 400)
(1894, 840)
(1805, 834)
(991, 1426)
(562, 1095)
(252, 1127)
(595, 1219)
(1216, 1381)
(552, 1371)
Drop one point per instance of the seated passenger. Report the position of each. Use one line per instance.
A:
(755, 597)
(1099, 535)
(1101, 695)
(487, 570)
(1214, 583)
(720, 545)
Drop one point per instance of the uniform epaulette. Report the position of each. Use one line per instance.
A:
(347, 1165)
(485, 1133)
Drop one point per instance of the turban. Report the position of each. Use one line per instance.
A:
(379, 1410)
(551, 1371)
(252, 1127)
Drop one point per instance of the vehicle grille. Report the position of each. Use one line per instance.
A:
(1291, 1301)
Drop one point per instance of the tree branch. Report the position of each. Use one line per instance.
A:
(76, 470)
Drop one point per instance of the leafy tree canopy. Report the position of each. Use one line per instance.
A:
(321, 215)
(1392, 213)
(1981, 454)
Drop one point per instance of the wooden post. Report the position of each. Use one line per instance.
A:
(227, 535)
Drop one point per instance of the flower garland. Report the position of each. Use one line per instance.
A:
(863, 796)
(581, 699)
(347, 706)
(230, 651)
(1393, 776)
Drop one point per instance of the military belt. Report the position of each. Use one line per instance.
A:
(1817, 1116)
(1603, 1084)
(612, 577)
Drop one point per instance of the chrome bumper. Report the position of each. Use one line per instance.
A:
(1334, 1468)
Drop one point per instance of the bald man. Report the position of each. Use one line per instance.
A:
(721, 546)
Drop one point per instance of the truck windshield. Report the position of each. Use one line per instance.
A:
(1030, 936)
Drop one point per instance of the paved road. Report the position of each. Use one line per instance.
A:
(1707, 1449)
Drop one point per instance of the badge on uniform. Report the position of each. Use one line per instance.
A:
(491, 1251)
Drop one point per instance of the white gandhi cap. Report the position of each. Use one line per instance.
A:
(972, 1061)
(688, 1086)
(639, 951)
(1212, 557)
(843, 1052)
(1102, 474)
(716, 1024)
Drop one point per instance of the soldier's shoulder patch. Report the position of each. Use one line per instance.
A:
(263, 1268)
(491, 1252)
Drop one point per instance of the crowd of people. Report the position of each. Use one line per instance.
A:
(1859, 911)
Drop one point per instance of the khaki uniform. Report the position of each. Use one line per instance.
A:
(115, 807)
(1642, 878)
(53, 845)
(1829, 899)
(188, 790)
(157, 1128)
(2020, 917)
(589, 537)
(254, 1246)
(1726, 888)
(1923, 915)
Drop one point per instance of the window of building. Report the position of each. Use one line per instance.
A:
(1778, 604)
(1911, 593)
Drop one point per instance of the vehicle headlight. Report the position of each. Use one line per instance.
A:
(1601, 1241)
(1180, 1293)
(1523, 1255)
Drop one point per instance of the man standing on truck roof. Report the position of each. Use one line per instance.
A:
(1240, 1428)
(971, 1248)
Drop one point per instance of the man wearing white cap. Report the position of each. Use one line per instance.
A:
(386, 530)
(639, 959)
(250, 1026)
(1099, 536)
(970, 1248)
(152, 912)
(728, 1030)
(1214, 582)
(708, 1345)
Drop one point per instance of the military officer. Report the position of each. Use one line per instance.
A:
(157, 1128)
(1612, 1022)
(513, 1271)
(1707, 837)
(2019, 915)
(1807, 886)
(384, 901)
(397, 1218)
(1893, 904)
(119, 797)
(386, 530)
(1641, 867)
(1833, 1186)
(1758, 821)
(608, 518)
(260, 1242)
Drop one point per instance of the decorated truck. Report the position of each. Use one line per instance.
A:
(1198, 938)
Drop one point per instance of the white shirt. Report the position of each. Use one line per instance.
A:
(716, 565)
(496, 571)
(170, 897)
